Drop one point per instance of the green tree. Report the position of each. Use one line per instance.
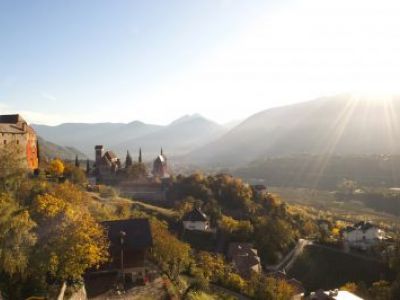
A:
(12, 169)
(16, 236)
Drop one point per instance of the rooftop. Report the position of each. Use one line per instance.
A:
(196, 215)
(137, 233)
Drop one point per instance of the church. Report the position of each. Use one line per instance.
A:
(14, 130)
(110, 170)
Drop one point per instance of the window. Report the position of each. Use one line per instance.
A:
(5, 142)
(17, 142)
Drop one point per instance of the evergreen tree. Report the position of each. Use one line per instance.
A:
(140, 155)
(77, 163)
(87, 166)
(128, 161)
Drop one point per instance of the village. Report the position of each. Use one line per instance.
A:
(213, 226)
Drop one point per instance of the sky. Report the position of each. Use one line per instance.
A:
(154, 61)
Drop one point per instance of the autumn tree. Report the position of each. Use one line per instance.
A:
(269, 288)
(172, 254)
(56, 168)
(75, 174)
(69, 239)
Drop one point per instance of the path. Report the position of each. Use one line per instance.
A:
(287, 262)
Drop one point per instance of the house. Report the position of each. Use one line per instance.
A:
(259, 190)
(244, 259)
(130, 241)
(363, 235)
(14, 130)
(329, 295)
(196, 220)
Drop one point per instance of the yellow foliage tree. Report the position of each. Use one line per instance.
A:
(172, 254)
(56, 168)
(350, 287)
(70, 240)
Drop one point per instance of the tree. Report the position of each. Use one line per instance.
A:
(136, 171)
(381, 290)
(87, 167)
(128, 160)
(12, 169)
(56, 168)
(75, 174)
(350, 287)
(140, 156)
(70, 240)
(77, 163)
(212, 266)
(17, 239)
(16, 236)
(270, 288)
(172, 254)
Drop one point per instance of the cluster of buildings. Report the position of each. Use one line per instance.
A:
(108, 167)
(15, 131)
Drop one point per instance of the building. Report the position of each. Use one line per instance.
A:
(130, 242)
(259, 190)
(196, 220)
(14, 130)
(244, 259)
(362, 235)
(328, 295)
(107, 165)
(160, 166)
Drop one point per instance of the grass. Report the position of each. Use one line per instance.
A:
(327, 269)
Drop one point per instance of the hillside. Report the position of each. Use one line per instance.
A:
(50, 150)
(177, 138)
(341, 125)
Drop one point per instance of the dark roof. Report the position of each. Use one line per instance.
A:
(13, 124)
(110, 155)
(364, 226)
(10, 119)
(259, 187)
(196, 215)
(137, 233)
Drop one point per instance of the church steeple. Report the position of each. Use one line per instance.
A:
(140, 155)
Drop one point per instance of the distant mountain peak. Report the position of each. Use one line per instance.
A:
(191, 117)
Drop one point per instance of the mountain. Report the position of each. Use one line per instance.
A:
(180, 137)
(177, 138)
(50, 150)
(341, 125)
